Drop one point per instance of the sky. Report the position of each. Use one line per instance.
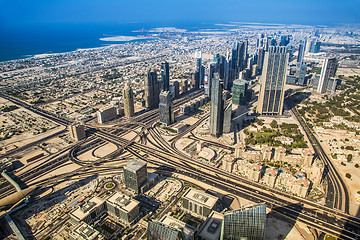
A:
(17, 13)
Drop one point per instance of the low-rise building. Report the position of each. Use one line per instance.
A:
(89, 212)
(198, 203)
(85, 232)
(123, 207)
(270, 176)
(106, 114)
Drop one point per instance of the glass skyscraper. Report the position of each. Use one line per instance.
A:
(135, 175)
(244, 224)
(273, 78)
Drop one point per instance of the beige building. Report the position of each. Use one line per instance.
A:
(187, 230)
(123, 207)
(280, 153)
(198, 203)
(77, 132)
(228, 163)
(269, 178)
(89, 212)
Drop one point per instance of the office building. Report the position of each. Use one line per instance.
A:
(328, 71)
(123, 208)
(85, 232)
(77, 132)
(128, 97)
(227, 117)
(135, 175)
(152, 90)
(216, 109)
(187, 231)
(239, 56)
(198, 203)
(301, 52)
(89, 211)
(245, 223)
(159, 231)
(240, 92)
(273, 78)
(177, 89)
(260, 58)
(166, 111)
(284, 40)
(165, 76)
(106, 114)
(302, 74)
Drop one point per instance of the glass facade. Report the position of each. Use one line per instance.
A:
(244, 224)
(135, 175)
(158, 231)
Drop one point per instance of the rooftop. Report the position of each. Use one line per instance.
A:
(86, 208)
(211, 229)
(201, 198)
(123, 202)
(135, 165)
(187, 230)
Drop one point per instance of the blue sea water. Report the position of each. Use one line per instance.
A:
(25, 41)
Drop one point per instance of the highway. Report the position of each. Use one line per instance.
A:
(337, 192)
(165, 155)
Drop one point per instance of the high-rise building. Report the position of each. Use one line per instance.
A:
(328, 71)
(301, 52)
(273, 78)
(239, 92)
(285, 40)
(216, 109)
(166, 111)
(128, 96)
(260, 58)
(177, 88)
(227, 117)
(302, 74)
(152, 90)
(135, 175)
(106, 114)
(77, 132)
(199, 71)
(184, 86)
(198, 203)
(165, 76)
(123, 208)
(239, 56)
(244, 223)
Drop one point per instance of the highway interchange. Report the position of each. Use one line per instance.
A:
(150, 146)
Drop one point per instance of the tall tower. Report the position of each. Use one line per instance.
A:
(216, 110)
(301, 52)
(152, 90)
(199, 70)
(273, 78)
(166, 111)
(244, 223)
(135, 175)
(128, 101)
(165, 76)
(328, 71)
(260, 58)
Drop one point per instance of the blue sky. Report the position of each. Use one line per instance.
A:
(24, 12)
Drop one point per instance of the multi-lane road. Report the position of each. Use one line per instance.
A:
(329, 219)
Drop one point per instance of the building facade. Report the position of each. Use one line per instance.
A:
(128, 96)
(166, 109)
(273, 78)
(135, 175)
(328, 71)
(244, 223)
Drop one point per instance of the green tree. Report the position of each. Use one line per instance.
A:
(274, 124)
(349, 157)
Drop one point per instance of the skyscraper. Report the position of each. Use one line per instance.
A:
(135, 175)
(302, 74)
(260, 58)
(245, 223)
(301, 52)
(273, 78)
(328, 71)
(128, 101)
(227, 117)
(199, 71)
(239, 94)
(216, 109)
(152, 90)
(239, 56)
(165, 76)
(166, 111)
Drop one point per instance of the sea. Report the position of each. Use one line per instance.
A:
(26, 41)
